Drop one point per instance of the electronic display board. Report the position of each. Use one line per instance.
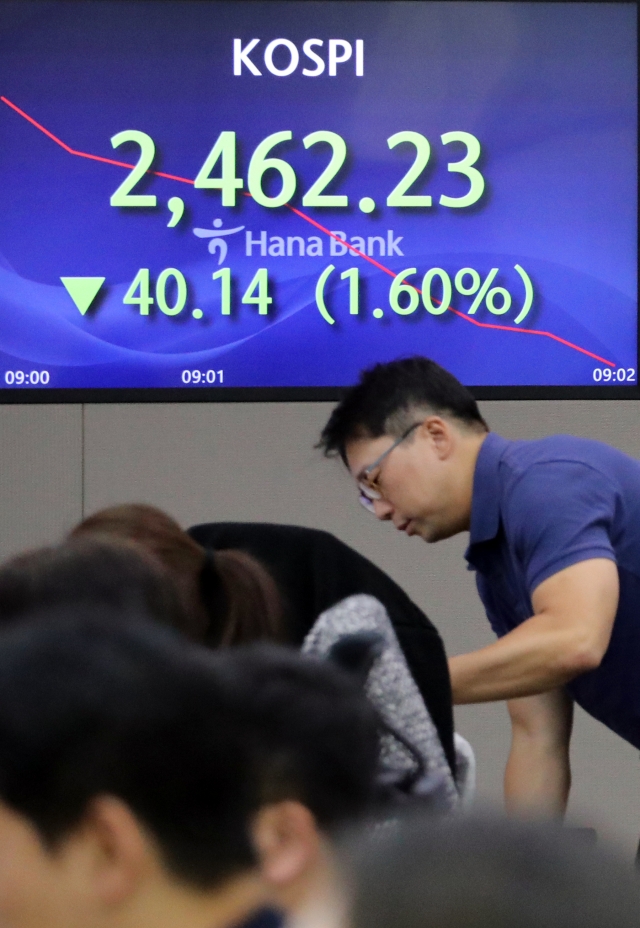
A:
(222, 200)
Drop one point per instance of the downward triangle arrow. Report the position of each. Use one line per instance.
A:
(82, 290)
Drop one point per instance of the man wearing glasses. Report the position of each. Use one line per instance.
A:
(555, 542)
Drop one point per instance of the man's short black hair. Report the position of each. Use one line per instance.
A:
(193, 742)
(487, 873)
(388, 398)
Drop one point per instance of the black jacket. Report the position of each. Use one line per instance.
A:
(314, 571)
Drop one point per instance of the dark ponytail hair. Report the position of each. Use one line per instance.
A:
(236, 587)
(228, 597)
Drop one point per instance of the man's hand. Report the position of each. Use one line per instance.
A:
(568, 635)
(537, 778)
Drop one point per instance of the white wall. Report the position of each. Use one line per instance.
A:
(256, 461)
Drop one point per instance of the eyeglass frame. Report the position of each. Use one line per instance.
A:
(368, 486)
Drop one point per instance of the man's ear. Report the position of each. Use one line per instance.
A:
(118, 853)
(440, 433)
(286, 838)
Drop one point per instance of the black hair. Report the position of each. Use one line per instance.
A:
(387, 399)
(227, 597)
(89, 571)
(313, 734)
(486, 873)
(192, 741)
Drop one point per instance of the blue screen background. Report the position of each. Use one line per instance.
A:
(548, 89)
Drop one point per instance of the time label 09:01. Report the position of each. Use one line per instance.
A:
(202, 378)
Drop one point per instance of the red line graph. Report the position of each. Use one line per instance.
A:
(84, 154)
(353, 249)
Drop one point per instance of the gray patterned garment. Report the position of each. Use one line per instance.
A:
(390, 687)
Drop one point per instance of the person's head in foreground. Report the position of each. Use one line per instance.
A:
(410, 433)
(485, 873)
(227, 597)
(90, 571)
(147, 782)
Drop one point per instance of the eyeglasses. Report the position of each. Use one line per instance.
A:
(368, 485)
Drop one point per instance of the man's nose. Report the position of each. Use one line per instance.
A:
(383, 510)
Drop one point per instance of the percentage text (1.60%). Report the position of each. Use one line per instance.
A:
(436, 291)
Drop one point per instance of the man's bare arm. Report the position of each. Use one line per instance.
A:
(537, 778)
(568, 635)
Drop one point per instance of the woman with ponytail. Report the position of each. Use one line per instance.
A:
(242, 582)
(227, 597)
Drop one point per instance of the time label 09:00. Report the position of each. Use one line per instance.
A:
(26, 379)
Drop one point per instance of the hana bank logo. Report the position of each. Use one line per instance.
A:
(216, 237)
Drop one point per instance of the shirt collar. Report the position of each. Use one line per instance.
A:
(485, 505)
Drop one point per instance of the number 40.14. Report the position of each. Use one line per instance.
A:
(139, 292)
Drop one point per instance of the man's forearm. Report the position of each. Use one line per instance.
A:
(537, 780)
(538, 775)
(535, 657)
(568, 635)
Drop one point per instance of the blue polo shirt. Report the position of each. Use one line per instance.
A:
(540, 506)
